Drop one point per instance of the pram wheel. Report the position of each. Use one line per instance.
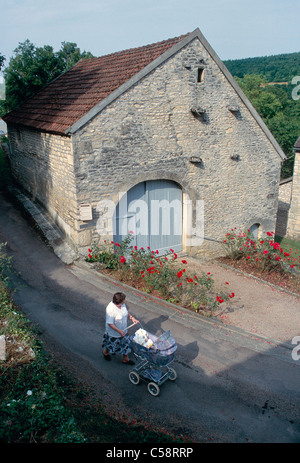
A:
(153, 389)
(134, 377)
(172, 374)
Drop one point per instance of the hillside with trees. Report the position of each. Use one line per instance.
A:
(268, 83)
(275, 68)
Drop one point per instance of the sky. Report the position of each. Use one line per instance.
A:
(234, 28)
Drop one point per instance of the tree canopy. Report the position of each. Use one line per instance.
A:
(268, 82)
(279, 111)
(275, 68)
(31, 68)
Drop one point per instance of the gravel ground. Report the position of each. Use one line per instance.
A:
(257, 307)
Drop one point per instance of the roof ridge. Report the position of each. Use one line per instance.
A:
(134, 49)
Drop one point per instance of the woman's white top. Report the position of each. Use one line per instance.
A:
(117, 317)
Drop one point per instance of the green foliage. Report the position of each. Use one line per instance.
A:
(32, 411)
(70, 54)
(278, 110)
(275, 68)
(267, 254)
(288, 244)
(31, 68)
(31, 403)
(274, 103)
(112, 255)
(5, 263)
(2, 59)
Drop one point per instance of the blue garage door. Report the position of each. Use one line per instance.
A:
(153, 211)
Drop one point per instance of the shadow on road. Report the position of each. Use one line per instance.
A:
(231, 387)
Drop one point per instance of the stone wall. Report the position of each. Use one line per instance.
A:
(284, 202)
(43, 165)
(293, 230)
(150, 132)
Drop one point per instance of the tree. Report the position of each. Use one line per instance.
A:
(31, 68)
(279, 112)
(276, 68)
(2, 59)
(265, 101)
(28, 71)
(70, 54)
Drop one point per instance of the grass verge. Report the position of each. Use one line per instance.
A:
(288, 244)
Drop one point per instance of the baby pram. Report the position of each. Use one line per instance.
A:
(154, 361)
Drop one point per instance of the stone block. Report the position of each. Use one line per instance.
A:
(2, 347)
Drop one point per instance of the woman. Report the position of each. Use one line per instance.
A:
(116, 339)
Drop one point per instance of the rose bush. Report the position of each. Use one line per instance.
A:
(265, 254)
(164, 275)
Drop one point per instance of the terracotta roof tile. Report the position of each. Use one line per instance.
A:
(68, 98)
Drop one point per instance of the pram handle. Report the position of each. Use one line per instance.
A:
(133, 325)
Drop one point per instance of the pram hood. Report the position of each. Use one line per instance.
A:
(165, 343)
(163, 346)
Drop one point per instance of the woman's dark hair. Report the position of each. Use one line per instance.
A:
(118, 298)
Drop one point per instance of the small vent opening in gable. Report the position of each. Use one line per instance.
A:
(200, 75)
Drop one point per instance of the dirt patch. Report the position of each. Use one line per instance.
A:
(258, 307)
(288, 281)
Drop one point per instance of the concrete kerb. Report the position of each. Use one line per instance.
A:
(48, 228)
(176, 313)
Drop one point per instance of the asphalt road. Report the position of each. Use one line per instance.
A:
(230, 386)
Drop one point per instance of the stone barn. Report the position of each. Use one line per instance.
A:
(158, 140)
